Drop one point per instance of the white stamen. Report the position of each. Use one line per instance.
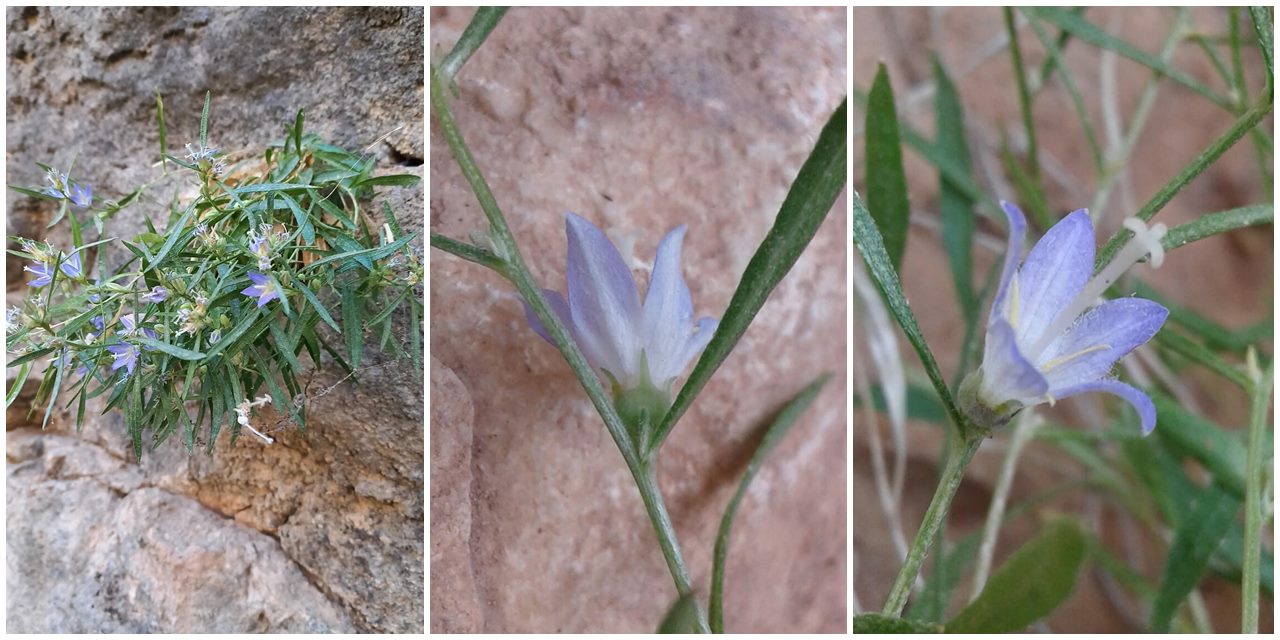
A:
(242, 416)
(1144, 241)
(1149, 238)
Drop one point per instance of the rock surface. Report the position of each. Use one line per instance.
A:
(639, 120)
(322, 531)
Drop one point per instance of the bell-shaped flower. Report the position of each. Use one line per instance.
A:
(124, 355)
(1046, 340)
(638, 346)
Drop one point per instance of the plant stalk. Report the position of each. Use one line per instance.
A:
(507, 251)
(948, 483)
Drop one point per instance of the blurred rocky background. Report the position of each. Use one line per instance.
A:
(321, 531)
(640, 120)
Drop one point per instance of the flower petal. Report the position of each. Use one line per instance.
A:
(667, 317)
(558, 306)
(1103, 335)
(1053, 274)
(1012, 255)
(603, 300)
(697, 342)
(1006, 373)
(1140, 401)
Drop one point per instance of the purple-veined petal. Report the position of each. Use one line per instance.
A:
(1102, 336)
(667, 321)
(1053, 274)
(1140, 401)
(558, 307)
(603, 300)
(1006, 373)
(1012, 255)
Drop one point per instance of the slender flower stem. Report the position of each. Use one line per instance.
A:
(482, 23)
(1023, 431)
(948, 483)
(1253, 495)
(507, 251)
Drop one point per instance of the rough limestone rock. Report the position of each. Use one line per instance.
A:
(322, 531)
(639, 120)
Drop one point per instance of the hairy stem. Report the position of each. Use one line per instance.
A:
(949, 481)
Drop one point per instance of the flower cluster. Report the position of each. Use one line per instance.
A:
(226, 301)
(63, 188)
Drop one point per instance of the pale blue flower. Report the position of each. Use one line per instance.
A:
(130, 327)
(44, 274)
(71, 265)
(634, 344)
(263, 288)
(1045, 338)
(126, 355)
(81, 195)
(157, 294)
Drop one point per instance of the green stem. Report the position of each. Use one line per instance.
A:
(1197, 166)
(506, 250)
(948, 483)
(1253, 497)
(1024, 100)
(1023, 432)
(647, 482)
(483, 22)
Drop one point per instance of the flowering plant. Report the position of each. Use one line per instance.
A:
(231, 297)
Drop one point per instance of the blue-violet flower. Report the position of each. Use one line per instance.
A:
(126, 355)
(1045, 340)
(639, 347)
(263, 288)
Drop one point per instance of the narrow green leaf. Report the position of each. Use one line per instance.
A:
(397, 180)
(315, 303)
(869, 623)
(1203, 441)
(811, 197)
(955, 207)
(351, 314)
(164, 162)
(886, 183)
(1088, 32)
(1210, 155)
(468, 252)
(29, 356)
(173, 350)
(176, 232)
(1256, 474)
(133, 415)
(297, 133)
(867, 239)
(1264, 28)
(21, 379)
(681, 617)
(376, 253)
(1194, 542)
(773, 434)
(265, 187)
(204, 121)
(57, 386)
(1029, 585)
(1214, 223)
(482, 23)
